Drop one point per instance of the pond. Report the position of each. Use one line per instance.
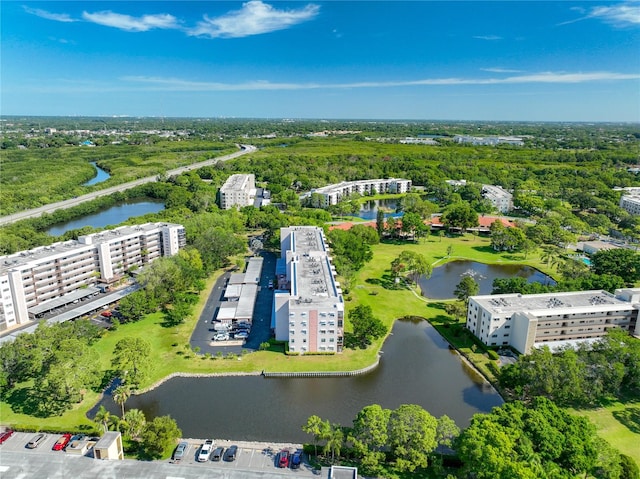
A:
(110, 216)
(416, 367)
(369, 209)
(101, 176)
(445, 278)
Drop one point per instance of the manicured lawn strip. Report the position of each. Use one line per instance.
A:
(623, 434)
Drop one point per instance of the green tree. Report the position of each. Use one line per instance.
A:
(335, 441)
(619, 261)
(415, 264)
(456, 309)
(120, 396)
(131, 358)
(412, 436)
(366, 327)
(459, 215)
(411, 222)
(369, 435)
(380, 223)
(159, 436)
(466, 288)
(135, 420)
(318, 428)
(102, 417)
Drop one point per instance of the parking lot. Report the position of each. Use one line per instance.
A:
(251, 458)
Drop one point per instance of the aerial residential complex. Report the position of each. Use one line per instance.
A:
(30, 279)
(500, 198)
(489, 140)
(308, 310)
(527, 321)
(631, 203)
(238, 191)
(333, 194)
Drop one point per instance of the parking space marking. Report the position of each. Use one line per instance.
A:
(4, 468)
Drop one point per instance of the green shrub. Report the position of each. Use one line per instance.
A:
(493, 355)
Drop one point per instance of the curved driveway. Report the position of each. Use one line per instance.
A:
(34, 213)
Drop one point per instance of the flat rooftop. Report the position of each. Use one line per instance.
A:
(236, 182)
(313, 276)
(24, 258)
(585, 300)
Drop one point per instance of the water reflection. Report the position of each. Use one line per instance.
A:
(369, 209)
(417, 367)
(444, 279)
(111, 216)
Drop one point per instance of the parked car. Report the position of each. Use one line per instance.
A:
(216, 455)
(62, 442)
(296, 460)
(205, 451)
(241, 335)
(5, 435)
(270, 284)
(243, 325)
(181, 451)
(230, 454)
(106, 314)
(283, 458)
(221, 337)
(35, 441)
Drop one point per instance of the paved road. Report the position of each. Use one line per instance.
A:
(36, 212)
(254, 461)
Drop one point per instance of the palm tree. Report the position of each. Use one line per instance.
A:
(135, 422)
(102, 417)
(335, 441)
(120, 396)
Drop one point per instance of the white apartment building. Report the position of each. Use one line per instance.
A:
(238, 191)
(29, 279)
(333, 194)
(527, 321)
(500, 198)
(631, 203)
(309, 314)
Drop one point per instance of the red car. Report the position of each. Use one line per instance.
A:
(5, 435)
(62, 442)
(106, 314)
(283, 459)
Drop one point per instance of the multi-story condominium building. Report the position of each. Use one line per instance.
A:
(631, 203)
(527, 321)
(308, 312)
(489, 140)
(499, 197)
(238, 191)
(333, 194)
(31, 278)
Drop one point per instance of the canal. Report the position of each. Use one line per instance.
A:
(416, 367)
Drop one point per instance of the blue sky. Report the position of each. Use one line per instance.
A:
(478, 60)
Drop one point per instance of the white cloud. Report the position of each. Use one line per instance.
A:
(132, 24)
(500, 70)
(177, 84)
(488, 37)
(254, 18)
(620, 15)
(58, 17)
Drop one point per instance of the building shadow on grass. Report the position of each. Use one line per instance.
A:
(630, 418)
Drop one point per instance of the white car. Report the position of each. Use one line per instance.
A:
(241, 335)
(205, 451)
(221, 337)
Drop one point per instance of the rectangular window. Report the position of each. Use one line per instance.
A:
(507, 326)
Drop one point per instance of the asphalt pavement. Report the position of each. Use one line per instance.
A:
(202, 336)
(254, 461)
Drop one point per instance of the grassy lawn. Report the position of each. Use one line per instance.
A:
(619, 424)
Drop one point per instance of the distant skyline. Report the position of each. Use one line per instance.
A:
(454, 60)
